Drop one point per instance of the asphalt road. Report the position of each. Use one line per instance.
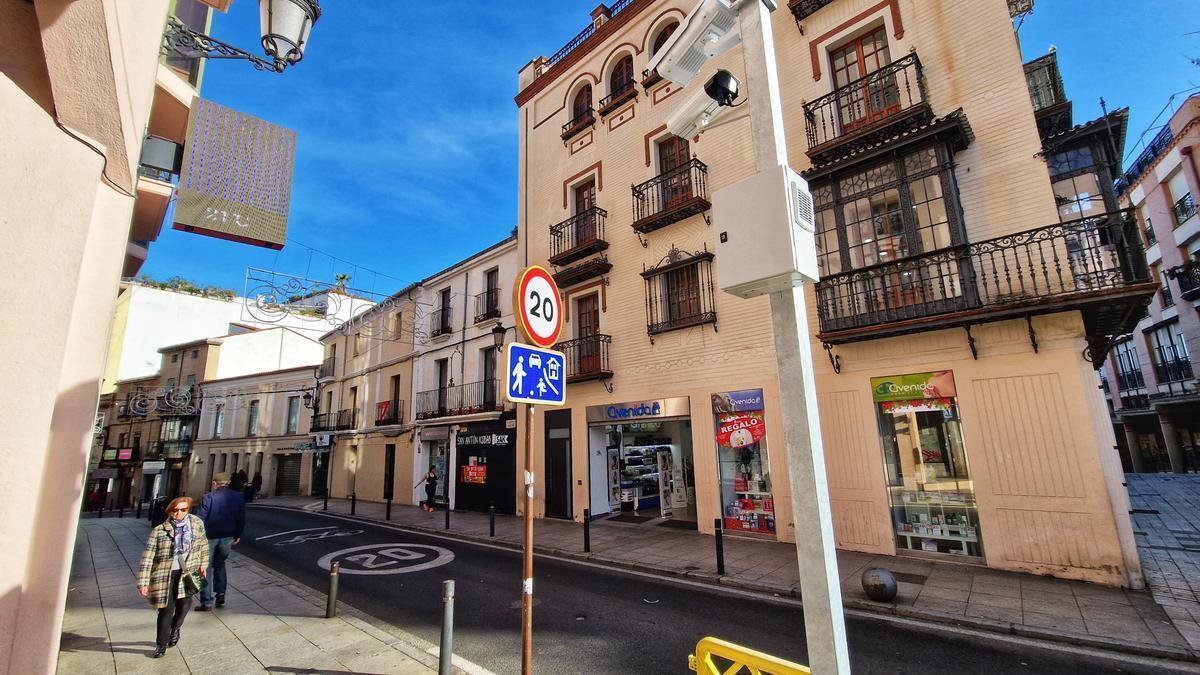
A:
(588, 619)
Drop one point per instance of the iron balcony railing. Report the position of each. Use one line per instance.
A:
(171, 449)
(586, 33)
(340, 420)
(1184, 208)
(327, 369)
(1156, 147)
(671, 196)
(578, 236)
(439, 323)
(1130, 379)
(1168, 298)
(580, 122)
(625, 92)
(1045, 82)
(587, 357)
(462, 399)
(487, 305)
(865, 103)
(1187, 276)
(801, 9)
(389, 412)
(1170, 366)
(1151, 238)
(680, 294)
(1041, 266)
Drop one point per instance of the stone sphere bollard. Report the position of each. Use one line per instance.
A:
(879, 584)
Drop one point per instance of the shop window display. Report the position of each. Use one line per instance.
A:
(746, 498)
(930, 491)
(649, 469)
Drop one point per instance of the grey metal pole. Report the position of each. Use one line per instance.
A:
(587, 531)
(446, 650)
(492, 523)
(353, 502)
(331, 597)
(720, 546)
(824, 622)
(447, 506)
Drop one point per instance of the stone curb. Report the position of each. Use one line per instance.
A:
(1002, 627)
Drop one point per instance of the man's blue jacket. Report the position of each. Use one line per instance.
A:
(223, 513)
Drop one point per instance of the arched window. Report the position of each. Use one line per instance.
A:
(622, 75)
(663, 35)
(583, 102)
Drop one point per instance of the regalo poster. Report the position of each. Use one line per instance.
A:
(236, 181)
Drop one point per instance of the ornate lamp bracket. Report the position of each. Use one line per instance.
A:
(183, 41)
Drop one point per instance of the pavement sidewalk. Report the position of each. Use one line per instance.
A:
(1166, 523)
(966, 595)
(269, 623)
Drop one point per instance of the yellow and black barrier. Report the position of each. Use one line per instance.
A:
(710, 650)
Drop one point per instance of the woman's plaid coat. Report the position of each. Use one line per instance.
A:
(155, 571)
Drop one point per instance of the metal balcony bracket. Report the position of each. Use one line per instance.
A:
(607, 382)
(1032, 333)
(645, 242)
(971, 342)
(834, 359)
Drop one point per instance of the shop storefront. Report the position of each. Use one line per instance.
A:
(640, 460)
(747, 501)
(435, 449)
(930, 493)
(486, 459)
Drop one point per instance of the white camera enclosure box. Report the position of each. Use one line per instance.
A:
(765, 239)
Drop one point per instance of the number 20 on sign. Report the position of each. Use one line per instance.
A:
(539, 310)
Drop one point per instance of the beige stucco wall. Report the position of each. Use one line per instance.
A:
(66, 232)
(1050, 499)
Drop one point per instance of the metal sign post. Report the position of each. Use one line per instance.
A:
(533, 376)
(824, 623)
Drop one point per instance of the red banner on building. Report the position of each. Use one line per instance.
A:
(738, 430)
(475, 473)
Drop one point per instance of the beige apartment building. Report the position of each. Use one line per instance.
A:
(413, 383)
(258, 423)
(974, 272)
(83, 91)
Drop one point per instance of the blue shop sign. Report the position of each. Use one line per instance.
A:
(633, 411)
(629, 411)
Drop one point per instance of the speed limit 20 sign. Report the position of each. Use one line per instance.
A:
(538, 309)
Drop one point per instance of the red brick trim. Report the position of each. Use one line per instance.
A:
(598, 167)
(603, 33)
(897, 26)
(646, 141)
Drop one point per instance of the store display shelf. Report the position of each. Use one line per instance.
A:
(751, 492)
(946, 537)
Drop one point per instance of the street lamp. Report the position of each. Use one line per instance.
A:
(286, 25)
(498, 333)
(308, 400)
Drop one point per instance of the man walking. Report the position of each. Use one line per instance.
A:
(224, 514)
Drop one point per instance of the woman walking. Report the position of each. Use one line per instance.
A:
(175, 551)
(430, 480)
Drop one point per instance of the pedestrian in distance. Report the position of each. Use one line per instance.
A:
(238, 480)
(256, 484)
(224, 514)
(430, 480)
(176, 552)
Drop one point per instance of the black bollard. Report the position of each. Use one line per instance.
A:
(720, 548)
(139, 509)
(446, 649)
(492, 515)
(121, 511)
(447, 512)
(325, 506)
(353, 502)
(587, 531)
(100, 511)
(388, 516)
(331, 597)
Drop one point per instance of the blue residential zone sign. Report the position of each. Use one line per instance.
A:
(535, 375)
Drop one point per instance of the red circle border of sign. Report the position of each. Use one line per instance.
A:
(519, 300)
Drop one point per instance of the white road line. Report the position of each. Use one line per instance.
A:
(307, 529)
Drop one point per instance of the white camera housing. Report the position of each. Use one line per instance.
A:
(708, 31)
(694, 115)
(765, 234)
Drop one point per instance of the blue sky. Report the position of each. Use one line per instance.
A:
(407, 130)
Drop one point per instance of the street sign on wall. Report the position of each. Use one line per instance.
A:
(537, 306)
(536, 376)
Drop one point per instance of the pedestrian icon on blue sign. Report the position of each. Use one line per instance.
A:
(535, 375)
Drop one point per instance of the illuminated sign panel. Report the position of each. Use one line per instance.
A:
(236, 181)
